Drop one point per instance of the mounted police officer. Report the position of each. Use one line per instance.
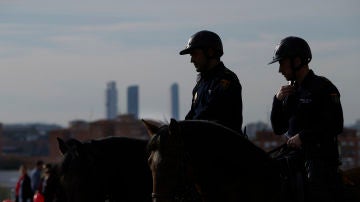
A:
(217, 93)
(309, 112)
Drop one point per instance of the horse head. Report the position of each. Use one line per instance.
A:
(75, 155)
(168, 163)
(76, 166)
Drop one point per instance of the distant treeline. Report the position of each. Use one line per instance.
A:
(9, 164)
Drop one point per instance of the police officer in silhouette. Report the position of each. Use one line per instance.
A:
(217, 93)
(309, 112)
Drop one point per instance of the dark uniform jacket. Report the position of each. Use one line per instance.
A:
(314, 112)
(217, 97)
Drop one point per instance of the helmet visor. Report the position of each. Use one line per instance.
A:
(186, 51)
(275, 59)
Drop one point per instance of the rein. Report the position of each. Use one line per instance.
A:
(277, 148)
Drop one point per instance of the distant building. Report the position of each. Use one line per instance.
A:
(1, 138)
(133, 100)
(26, 139)
(253, 128)
(356, 126)
(349, 143)
(111, 100)
(175, 101)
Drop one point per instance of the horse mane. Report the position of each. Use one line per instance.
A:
(95, 152)
(154, 141)
(105, 149)
(209, 141)
(213, 133)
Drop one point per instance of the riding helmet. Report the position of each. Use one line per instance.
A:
(204, 40)
(291, 47)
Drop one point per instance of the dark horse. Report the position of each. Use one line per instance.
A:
(223, 165)
(113, 169)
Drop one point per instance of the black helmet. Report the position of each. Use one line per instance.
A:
(291, 47)
(203, 40)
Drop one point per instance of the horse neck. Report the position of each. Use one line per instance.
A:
(96, 158)
(226, 165)
(234, 187)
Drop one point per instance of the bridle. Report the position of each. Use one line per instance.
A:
(182, 191)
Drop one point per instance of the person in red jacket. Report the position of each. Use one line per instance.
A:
(23, 191)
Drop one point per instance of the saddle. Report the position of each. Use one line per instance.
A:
(291, 164)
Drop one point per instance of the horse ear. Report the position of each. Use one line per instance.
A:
(62, 146)
(150, 127)
(173, 126)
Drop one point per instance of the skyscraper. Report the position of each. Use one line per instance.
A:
(111, 100)
(175, 101)
(133, 100)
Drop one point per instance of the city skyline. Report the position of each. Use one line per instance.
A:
(174, 101)
(133, 100)
(56, 56)
(111, 100)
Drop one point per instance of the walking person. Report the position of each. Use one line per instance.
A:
(23, 191)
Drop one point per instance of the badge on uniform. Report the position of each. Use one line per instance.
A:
(225, 83)
(305, 100)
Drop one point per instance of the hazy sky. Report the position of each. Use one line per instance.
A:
(57, 56)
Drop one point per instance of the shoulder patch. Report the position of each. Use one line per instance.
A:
(335, 98)
(225, 83)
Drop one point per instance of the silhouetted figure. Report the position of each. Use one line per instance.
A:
(23, 191)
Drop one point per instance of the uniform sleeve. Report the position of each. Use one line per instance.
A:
(190, 115)
(279, 116)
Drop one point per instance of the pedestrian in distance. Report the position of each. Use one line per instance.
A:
(35, 175)
(23, 191)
